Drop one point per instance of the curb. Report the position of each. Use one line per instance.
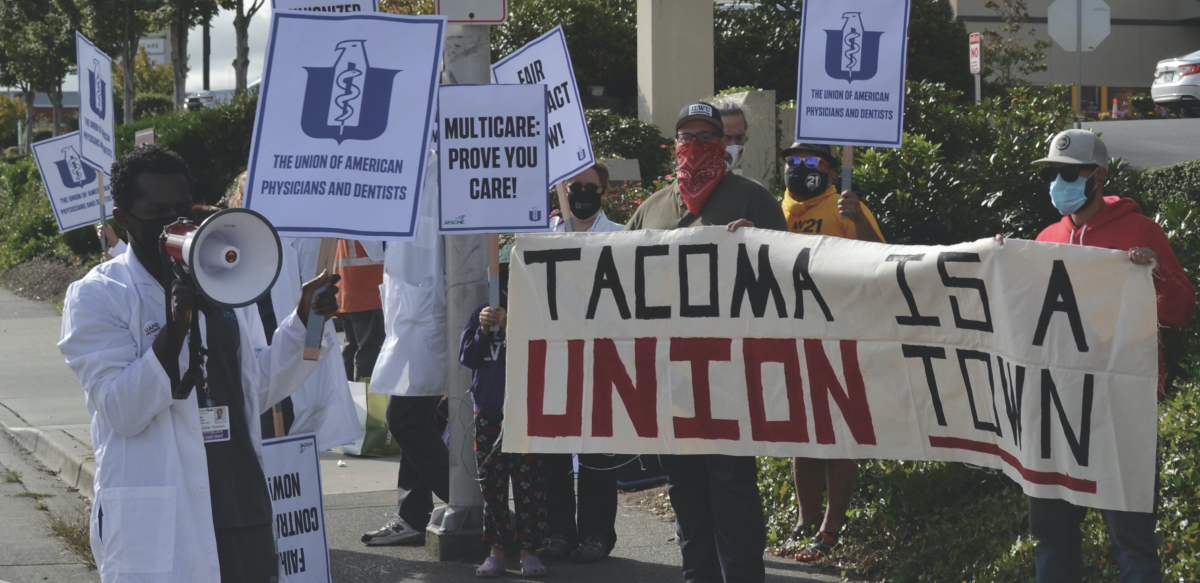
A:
(56, 449)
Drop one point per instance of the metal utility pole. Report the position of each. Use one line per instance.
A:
(455, 528)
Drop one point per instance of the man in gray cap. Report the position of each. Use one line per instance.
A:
(718, 512)
(1076, 167)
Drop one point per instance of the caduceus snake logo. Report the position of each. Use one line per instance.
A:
(852, 53)
(350, 93)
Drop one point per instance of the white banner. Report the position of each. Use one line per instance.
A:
(293, 468)
(344, 119)
(492, 159)
(70, 183)
(1035, 358)
(851, 75)
(97, 138)
(546, 61)
(334, 6)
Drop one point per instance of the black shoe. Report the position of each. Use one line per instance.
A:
(592, 549)
(556, 548)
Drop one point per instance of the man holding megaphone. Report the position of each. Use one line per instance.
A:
(180, 493)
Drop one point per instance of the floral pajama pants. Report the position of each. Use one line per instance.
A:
(527, 473)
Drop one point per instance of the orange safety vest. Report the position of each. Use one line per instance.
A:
(358, 291)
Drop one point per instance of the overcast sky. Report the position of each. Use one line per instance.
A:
(223, 51)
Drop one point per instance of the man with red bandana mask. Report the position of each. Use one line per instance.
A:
(718, 512)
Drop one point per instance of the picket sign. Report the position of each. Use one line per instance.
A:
(492, 170)
(345, 115)
(97, 135)
(292, 466)
(71, 184)
(546, 61)
(1034, 358)
(330, 6)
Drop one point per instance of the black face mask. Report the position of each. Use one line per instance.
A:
(584, 200)
(144, 237)
(806, 182)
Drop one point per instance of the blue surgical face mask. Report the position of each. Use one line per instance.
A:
(1069, 197)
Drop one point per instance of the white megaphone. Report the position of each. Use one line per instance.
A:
(233, 257)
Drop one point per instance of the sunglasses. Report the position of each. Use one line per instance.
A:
(702, 136)
(582, 187)
(811, 161)
(1068, 173)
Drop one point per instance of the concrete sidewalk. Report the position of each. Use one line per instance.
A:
(42, 406)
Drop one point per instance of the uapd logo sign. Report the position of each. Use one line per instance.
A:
(850, 89)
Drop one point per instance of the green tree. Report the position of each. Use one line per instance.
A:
(244, 11)
(601, 37)
(115, 27)
(937, 46)
(1010, 56)
(758, 46)
(178, 17)
(148, 76)
(11, 111)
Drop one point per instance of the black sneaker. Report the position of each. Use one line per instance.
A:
(556, 548)
(393, 533)
(592, 549)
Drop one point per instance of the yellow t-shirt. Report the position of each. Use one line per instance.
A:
(820, 216)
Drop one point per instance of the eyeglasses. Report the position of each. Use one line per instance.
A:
(702, 136)
(1068, 173)
(811, 161)
(584, 187)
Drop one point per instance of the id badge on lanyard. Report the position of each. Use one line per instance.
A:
(214, 420)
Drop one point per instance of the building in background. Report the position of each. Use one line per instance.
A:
(1143, 32)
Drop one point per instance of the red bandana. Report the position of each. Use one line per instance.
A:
(701, 167)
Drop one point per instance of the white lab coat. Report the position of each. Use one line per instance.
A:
(412, 362)
(151, 468)
(323, 405)
(602, 225)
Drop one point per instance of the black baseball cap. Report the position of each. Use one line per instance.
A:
(701, 111)
(823, 150)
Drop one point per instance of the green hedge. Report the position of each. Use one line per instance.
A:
(617, 136)
(27, 226)
(214, 142)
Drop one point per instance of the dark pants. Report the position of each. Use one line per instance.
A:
(1059, 558)
(597, 504)
(424, 459)
(526, 523)
(364, 339)
(247, 555)
(718, 517)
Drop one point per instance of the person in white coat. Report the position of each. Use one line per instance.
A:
(412, 368)
(180, 494)
(584, 194)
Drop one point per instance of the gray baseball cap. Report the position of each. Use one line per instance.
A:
(1076, 147)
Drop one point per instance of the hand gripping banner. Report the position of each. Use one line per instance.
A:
(1037, 359)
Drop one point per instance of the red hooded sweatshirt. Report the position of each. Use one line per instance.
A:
(1121, 225)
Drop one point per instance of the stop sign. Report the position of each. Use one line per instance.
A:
(1063, 23)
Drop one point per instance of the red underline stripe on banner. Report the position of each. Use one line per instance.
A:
(1033, 476)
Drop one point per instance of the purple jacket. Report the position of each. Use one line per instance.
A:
(484, 354)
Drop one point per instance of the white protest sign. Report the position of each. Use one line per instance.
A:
(334, 6)
(70, 184)
(293, 468)
(545, 61)
(97, 138)
(851, 78)
(492, 171)
(344, 119)
(1037, 359)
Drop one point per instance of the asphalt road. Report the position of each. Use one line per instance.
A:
(1149, 143)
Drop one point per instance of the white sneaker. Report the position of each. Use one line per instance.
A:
(393, 533)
